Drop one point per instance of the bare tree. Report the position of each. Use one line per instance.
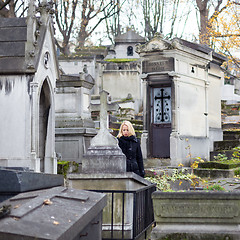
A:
(64, 9)
(95, 10)
(81, 16)
(153, 13)
(12, 8)
(113, 27)
(160, 16)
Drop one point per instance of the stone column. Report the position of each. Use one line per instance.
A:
(174, 136)
(206, 104)
(35, 161)
(144, 136)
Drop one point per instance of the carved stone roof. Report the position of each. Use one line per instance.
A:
(129, 37)
(201, 48)
(13, 36)
(21, 41)
(159, 44)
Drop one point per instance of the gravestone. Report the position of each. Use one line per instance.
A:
(74, 126)
(28, 72)
(55, 214)
(104, 170)
(104, 154)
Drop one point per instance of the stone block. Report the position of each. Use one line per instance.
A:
(196, 215)
(54, 214)
(106, 159)
(18, 180)
(214, 173)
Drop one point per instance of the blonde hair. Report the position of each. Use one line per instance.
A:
(130, 129)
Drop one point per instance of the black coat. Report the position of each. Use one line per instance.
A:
(131, 148)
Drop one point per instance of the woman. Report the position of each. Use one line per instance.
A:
(130, 146)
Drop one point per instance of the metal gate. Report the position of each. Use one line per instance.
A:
(161, 119)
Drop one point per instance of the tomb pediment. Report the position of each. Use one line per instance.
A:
(155, 44)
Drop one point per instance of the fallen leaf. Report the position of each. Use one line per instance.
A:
(47, 202)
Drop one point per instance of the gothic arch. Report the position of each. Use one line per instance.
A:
(46, 128)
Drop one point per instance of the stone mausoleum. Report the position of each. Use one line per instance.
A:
(28, 72)
(182, 99)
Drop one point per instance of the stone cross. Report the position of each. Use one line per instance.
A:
(104, 138)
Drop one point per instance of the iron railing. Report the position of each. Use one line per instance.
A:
(142, 212)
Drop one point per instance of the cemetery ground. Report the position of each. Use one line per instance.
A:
(222, 173)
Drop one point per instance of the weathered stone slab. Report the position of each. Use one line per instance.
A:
(7, 63)
(21, 181)
(214, 173)
(12, 49)
(104, 160)
(196, 215)
(13, 22)
(229, 184)
(57, 213)
(18, 181)
(158, 65)
(13, 34)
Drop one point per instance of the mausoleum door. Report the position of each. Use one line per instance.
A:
(160, 126)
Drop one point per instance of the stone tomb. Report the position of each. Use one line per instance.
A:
(54, 214)
(28, 72)
(122, 78)
(74, 126)
(129, 210)
(196, 215)
(104, 170)
(182, 99)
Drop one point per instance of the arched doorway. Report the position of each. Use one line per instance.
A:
(44, 110)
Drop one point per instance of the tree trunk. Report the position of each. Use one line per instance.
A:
(204, 37)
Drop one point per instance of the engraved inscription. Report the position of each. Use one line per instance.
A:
(166, 64)
(195, 210)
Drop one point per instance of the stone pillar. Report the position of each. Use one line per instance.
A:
(144, 137)
(174, 136)
(34, 159)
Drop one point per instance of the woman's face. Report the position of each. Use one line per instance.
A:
(125, 131)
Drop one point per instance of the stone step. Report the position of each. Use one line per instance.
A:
(214, 173)
(156, 163)
(231, 135)
(217, 165)
(228, 154)
(225, 145)
(230, 126)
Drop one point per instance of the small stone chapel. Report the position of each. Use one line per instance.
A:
(28, 73)
(182, 99)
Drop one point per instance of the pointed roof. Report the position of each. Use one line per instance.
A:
(21, 41)
(129, 37)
